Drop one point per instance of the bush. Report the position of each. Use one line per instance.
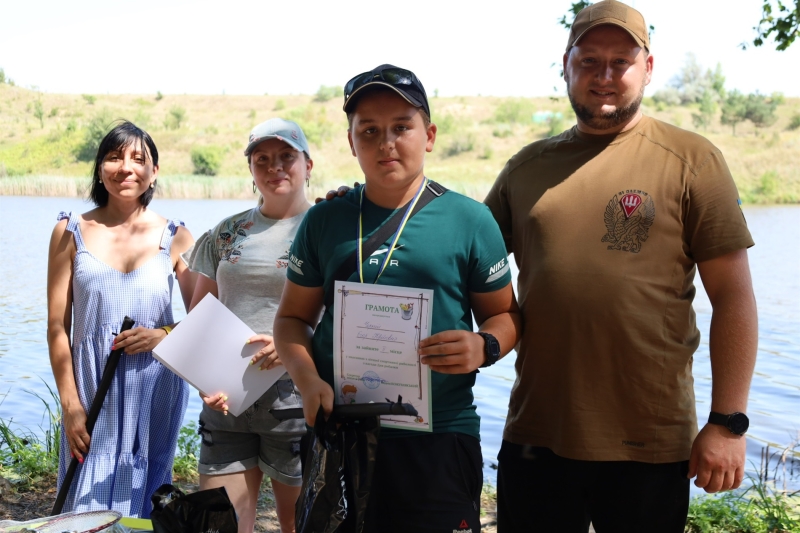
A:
(325, 93)
(514, 111)
(184, 467)
(459, 145)
(90, 99)
(794, 123)
(97, 128)
(280, 105)
(2, 76)
(555, 124)
(159, 96)
(175, 118)
(315, 123)
(207, 160)
(502, 131)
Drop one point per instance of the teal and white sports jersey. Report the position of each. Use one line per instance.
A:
(452, 246)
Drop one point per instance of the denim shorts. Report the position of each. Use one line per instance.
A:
(233, 444)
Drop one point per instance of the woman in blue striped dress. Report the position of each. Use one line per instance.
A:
(116, 260)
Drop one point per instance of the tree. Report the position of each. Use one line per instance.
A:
(708, 106)
(38, 112)
(782, 23)
(692, 84)
(761, 110)
(734, 110)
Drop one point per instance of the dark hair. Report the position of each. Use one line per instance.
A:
(374, 90)
(122, 135)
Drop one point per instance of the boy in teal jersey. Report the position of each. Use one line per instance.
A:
(423, 482)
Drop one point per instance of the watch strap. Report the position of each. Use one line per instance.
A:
(491, 349)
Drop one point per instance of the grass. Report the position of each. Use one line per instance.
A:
(29, 460)
(26, 457)
(477, 135)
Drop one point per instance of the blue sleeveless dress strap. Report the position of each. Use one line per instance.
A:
(134, 440)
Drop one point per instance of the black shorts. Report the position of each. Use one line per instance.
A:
(429, 483)
(539, 491)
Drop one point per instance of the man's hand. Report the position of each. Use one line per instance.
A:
(717, 459)
(341, 191)
(453, 352)
(267, 353)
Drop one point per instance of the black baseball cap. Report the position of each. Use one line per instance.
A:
(404, 82)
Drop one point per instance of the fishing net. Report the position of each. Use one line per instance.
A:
(87, 522)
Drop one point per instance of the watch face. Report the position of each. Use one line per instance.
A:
(494, 347)
(738, 423)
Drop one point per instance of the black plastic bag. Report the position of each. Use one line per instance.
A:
(337, 475)
(199, 512)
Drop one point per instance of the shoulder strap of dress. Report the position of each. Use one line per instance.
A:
(74, 227)
(169, 233)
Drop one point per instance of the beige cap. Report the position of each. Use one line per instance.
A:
(610, 12)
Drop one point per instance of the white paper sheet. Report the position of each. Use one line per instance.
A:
(208, 350)
(376, 334)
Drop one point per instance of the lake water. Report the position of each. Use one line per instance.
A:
(775, 262)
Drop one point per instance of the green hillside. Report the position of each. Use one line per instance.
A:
(46, 139)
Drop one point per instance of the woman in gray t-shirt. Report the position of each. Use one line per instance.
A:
(243, 263)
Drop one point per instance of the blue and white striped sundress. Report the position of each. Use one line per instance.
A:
(134, 439)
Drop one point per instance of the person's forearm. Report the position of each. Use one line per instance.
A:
(61, 363)
(733, 342)
(293, 344)
(506, 328)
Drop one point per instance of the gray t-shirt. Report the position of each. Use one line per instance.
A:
(247, 255)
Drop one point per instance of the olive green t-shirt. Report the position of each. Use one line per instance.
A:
(452, 246)
(606, 232)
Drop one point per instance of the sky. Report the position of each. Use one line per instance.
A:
(494, 47)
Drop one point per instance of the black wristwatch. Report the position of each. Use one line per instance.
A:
(491, 349)
(737, 423)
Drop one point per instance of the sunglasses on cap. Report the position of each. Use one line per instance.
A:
(403, 81)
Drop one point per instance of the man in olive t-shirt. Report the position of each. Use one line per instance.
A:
(608, 223)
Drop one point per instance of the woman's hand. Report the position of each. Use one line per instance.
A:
(266, 355)
(74, 419)
(138, 340)
(316, 392)
(216, 402)
(453, 352)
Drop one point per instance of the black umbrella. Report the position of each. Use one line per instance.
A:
(94, 412)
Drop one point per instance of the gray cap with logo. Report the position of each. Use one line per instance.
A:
(278, 128)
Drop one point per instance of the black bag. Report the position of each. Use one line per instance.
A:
(200, 512)
(337, 475)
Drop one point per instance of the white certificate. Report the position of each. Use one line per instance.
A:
(376, 334)
(208, 350)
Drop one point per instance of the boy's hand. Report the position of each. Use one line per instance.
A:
(453, 352)
(315, 392)
(341, 191)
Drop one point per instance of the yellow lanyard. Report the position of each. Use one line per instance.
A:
(400, 228)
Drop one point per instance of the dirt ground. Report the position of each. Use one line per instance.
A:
(36, 500)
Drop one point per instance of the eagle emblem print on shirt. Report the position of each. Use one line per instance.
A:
(628, 217)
